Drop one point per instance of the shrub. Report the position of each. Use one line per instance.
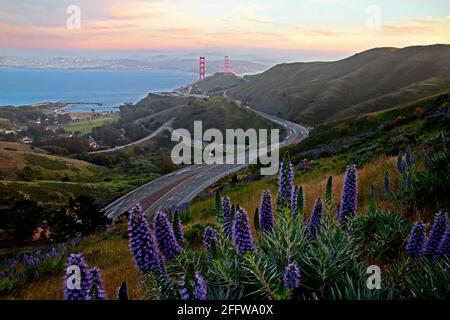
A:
(379, 235)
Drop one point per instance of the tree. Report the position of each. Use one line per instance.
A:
(88, 214)
(24, 217)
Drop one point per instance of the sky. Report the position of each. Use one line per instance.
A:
(294, 28)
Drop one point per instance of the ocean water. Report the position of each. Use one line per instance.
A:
(110, 87)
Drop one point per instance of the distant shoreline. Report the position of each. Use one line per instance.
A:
(83, 90)
(94, 69)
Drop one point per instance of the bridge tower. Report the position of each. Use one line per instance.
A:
(202, 68)
(226, 65)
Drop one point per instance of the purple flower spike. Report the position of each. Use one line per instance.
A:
(444, 246)
(283, 185)
(291, 179)
(199, 292)
(408, 156)
(242, 235)
(315, 220)
(165, 237)
(226, 212)
(142, 246)
(414, 246)
(400, 163)
(349, 199)
(266, 221)
(292, 276)
(177, 227)
(436, 235)
(294, 201)
(184, 292)
(209, 239)
(97, 291)
(77, 280)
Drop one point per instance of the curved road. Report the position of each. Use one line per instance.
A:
(181, 186)
(165, 126)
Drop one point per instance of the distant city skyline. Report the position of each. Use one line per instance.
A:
(285, 30)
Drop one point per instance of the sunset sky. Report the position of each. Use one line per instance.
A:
(333, 26)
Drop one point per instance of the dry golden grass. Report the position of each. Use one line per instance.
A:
(12, 156)
(372, 173)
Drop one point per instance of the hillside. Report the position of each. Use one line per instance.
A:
(31, 173)
(381, 225)
(217, 113)
(216, 83)
(17, 158)
(371, 141)
(365, 82)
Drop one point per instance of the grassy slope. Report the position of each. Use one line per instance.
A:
(85, 126)
(15, 156)
(216, 83)
(217, 113)
(371, 141)
(366, 82)
(112, 254)
(45, 183)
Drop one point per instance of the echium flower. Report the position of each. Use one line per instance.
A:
(177, 227)
(315, 220)
(409, 180)
(444, 246)
(294, 196)
(210, 237)
(74, 290)
(266, 219)
(400, 163)
(242, 234)
(436, 235)
(165, 237)
(414, 245)
(283, 185)
(347, 209)
(226, 212)
(142, 246)
(184, 292)
(199, 291)
(97, 290)
(408, 156)
(291, 179)
(292, 276)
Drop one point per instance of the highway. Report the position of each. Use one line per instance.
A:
(183, 185)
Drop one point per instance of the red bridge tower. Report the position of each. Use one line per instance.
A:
(226, 65)
(202, 68)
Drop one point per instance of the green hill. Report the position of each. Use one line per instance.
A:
(365, 82)
(216, 83)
